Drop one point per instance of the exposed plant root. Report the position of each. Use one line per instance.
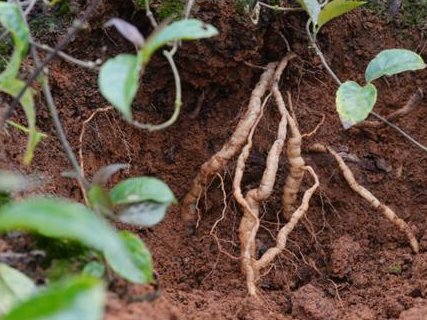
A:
(296, 162)
(410, 105)
(81, 159)
(314, 131)
(282, 237)
(368, 196)
(229, 150)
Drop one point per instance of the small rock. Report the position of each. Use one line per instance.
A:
(344, 252)
(310, 303)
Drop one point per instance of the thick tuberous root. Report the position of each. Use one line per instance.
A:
(230, 150)
(368, 196)
(288, 145)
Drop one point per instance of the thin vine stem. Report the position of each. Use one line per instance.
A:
(178, 100)
(313, 43)
(54, 113)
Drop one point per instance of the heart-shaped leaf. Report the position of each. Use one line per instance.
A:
(11, 19)
(336, 8)
(141, 189)
(58, 218)
(393, 61)
(14, 287)
(312, 7)
(118, 82)
(189, 29)
(80, 297)
(354, 103)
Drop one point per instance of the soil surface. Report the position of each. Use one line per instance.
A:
(345, 261)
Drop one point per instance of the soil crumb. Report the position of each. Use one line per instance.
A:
(310, 303)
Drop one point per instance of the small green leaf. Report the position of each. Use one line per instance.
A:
(140, 254)
(13, 87)
(140, 189)
(94, 269)
(118, 82)
(312, 7)
(99, 200)
(11, 19)
(80, 297)
(145, 214)
(336, 8)
(354, 103)
(393, 61)
(189, 29)
(58, 218)
(14, 287)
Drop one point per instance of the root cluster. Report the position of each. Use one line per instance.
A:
(287, 144)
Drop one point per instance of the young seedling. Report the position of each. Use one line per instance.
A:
(119, 76)
(354, 102)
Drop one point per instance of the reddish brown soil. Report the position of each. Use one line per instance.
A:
(345, 261)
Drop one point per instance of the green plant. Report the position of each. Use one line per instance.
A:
(11, 19)
(58, 218)
(78, 297)
(119, 76)
(354, 102)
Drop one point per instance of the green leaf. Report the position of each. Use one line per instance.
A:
(99, 200)
(393, 61)
(13, 87)
(11, 19)
(14, 287)
(336, 8)
(189, 29)
(58, 218)
(354, 103)
(140, 254)
(312, 7)
(94, 269)
(80, 297)
(140, 189)
(118, 82)
(145, 214)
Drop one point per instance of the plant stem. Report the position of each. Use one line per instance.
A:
(313, 43)
(55, 116)
(178, 100)
(77, 25)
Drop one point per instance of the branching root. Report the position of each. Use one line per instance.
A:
(240, 146)
(368, 196)
(229, 150)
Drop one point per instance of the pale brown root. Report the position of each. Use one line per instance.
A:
(229, 150)
(368, 196)
(296, 162)
(282, 237)
(81, 159)
(410, 105)
(312, 132)
(250, 212)
(249, 224)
